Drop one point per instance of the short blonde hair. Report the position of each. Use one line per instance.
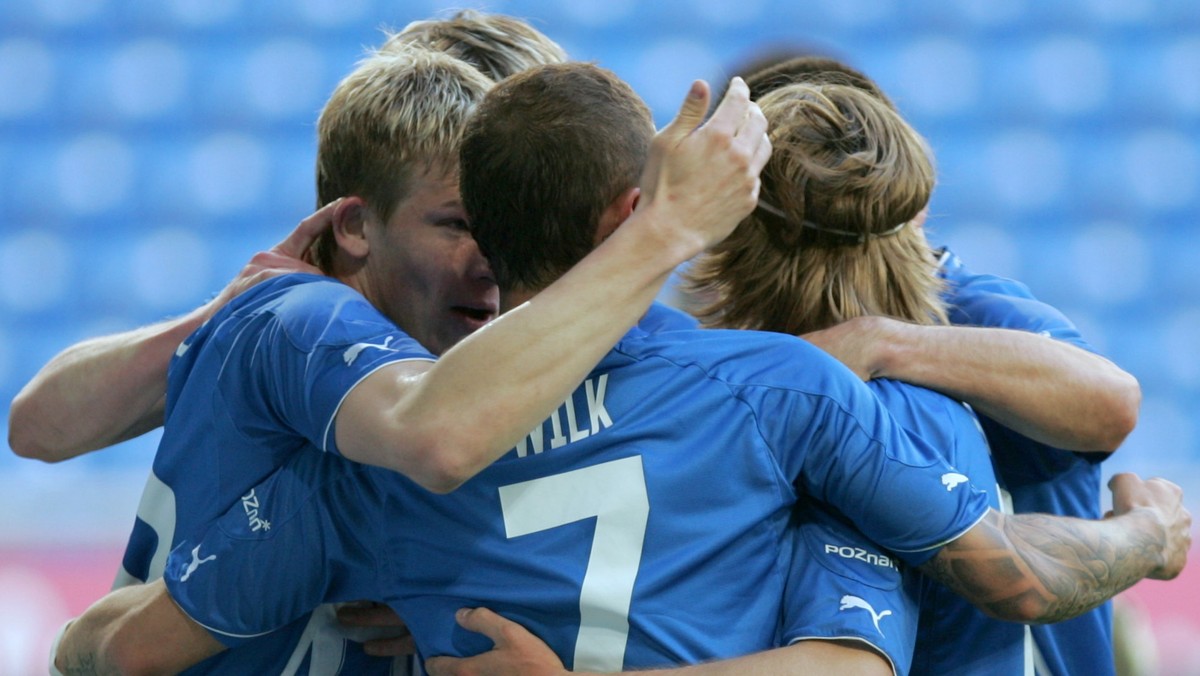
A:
(398, 114)
(846, 175)
(496, 44)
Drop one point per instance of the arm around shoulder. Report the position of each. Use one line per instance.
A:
(1048, 390)
(1038, 568)
(97, 393)
(518, 652)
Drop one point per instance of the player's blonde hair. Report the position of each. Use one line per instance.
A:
(496, 44)
(398, 114)
(833, 238)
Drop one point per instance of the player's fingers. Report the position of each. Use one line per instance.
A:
(753, 125)
(690, 115)
(762, 153)
(307, 232)
(486, 622)
(444, 666)
(731, 113)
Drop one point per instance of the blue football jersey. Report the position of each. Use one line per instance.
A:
(259, 383)
(661, 317)
(891, 606)
(843, 586)
(1040, 478)
(645, 523)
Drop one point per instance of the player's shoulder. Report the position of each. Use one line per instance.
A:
(962, 282)
(943, 422)
(743, 358)
(907, 400)
(312, 310)
(661, 317)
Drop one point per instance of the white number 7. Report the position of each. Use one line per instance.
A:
(615, 493)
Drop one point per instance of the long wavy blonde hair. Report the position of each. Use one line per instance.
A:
(838, 232)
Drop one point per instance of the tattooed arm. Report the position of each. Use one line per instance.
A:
(1036, 568)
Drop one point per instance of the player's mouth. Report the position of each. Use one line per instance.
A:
(474, 316)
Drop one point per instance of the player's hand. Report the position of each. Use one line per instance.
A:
(1165, 500)
(516, 651)
(290, 255)
(701, 178)
(857, 343)
(377, 627)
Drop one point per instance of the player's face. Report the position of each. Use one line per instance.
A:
(428, 274)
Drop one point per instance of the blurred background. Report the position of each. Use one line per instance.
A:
(149, 147)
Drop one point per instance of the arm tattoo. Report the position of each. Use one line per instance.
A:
(1040, 568)
(84, 665)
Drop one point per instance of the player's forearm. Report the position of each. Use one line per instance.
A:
(134, 630)
(98, 392)
(805, 657)
(492, 388)
(1047, 390)
(1036, 568)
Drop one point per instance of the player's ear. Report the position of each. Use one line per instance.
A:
(617, 211)
(350, 220)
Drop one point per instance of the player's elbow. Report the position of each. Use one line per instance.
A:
(1025, 609)
(442, 462)
(25, 438)
(1125, 401)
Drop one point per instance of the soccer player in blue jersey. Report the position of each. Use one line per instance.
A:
(851, 170)
(1051, 406)
(856, 179)
(301, 364)
(112, 388)
(644, 522)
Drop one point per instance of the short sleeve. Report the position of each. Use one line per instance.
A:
(841, 586)
(291, 543)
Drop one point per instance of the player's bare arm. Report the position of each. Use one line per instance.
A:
(1036, 568)
(1048, 390)
(442, 425)
(109, 389)
(134, 630)
(517, 652)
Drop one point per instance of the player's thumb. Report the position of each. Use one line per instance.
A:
(691, 113)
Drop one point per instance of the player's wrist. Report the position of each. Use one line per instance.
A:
(662, 234)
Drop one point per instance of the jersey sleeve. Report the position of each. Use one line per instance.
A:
(842, 586)
(839, 445)
(299, 357)
(291, 543)
(997, 302)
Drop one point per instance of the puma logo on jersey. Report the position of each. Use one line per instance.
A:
(849, 602)
(195, 563)
(354, 350)
(951, 480)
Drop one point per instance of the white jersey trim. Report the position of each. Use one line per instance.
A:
(859, 639)
(950, 539)
(329, 425)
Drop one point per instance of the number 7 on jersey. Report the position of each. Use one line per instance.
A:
(615, 493)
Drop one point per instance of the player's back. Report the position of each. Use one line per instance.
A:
(642, 524)
(645, 520)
